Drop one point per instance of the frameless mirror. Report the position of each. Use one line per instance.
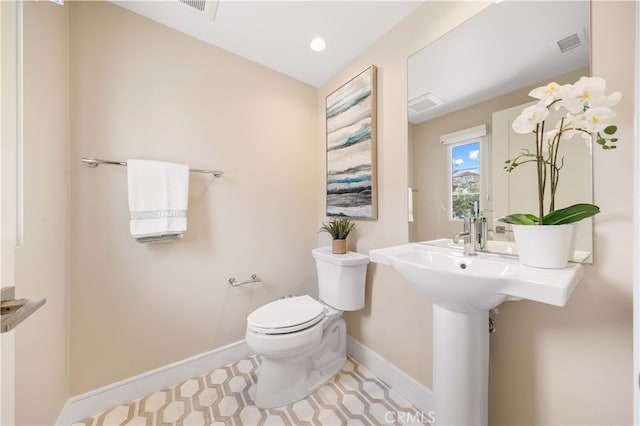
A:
(464, 89)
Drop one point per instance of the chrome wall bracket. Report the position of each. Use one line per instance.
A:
(234, 283)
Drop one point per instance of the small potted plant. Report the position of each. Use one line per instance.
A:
(588, 112)
(339, 230)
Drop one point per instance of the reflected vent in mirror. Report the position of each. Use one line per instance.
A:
(205, 8)
(196, 4)
(569, 42)
(424, 102)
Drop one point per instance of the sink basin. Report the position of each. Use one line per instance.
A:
(440, 272)
(503, 247)
(463, 289)
(453, 281)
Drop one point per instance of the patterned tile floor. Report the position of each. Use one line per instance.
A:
(354, 397)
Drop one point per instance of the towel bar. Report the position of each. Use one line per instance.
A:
(95, 162)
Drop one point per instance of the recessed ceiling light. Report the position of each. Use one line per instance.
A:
(318, 44)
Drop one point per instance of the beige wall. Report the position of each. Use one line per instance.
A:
(549, 365)
(8, 131)
(575, 365)
(395, 323)
(141, 90)
(430, 159)
(42, 261)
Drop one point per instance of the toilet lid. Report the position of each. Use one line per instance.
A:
(286, 315)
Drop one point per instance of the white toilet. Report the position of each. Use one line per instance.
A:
(303, 342)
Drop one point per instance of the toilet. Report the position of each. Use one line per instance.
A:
(302, 341)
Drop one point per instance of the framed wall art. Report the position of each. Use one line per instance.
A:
(351, 148)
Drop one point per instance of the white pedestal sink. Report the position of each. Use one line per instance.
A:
(463, 289)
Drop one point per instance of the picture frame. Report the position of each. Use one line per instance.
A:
(351, 134)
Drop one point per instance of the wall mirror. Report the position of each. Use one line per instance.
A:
(463, 91)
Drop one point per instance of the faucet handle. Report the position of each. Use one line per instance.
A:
(480, 230)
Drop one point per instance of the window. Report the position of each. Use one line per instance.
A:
(466, 178)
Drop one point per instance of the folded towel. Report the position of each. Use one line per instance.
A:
(159, 238)
(158, 200)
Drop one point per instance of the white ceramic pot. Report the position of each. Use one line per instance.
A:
(544, 246)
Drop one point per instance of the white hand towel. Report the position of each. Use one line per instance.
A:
(158, 200)
(410, 204)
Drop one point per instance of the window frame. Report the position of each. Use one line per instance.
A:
(463, 137)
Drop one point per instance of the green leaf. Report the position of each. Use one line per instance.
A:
(520, 219)
(338, 228)
(571, 214)
(610, 130)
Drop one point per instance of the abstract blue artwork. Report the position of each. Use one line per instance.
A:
(351, 148)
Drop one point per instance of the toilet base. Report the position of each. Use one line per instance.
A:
(283, 381)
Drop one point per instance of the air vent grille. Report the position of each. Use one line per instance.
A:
(204, 8)
(569, 42)
(196, 4)
(424, 102)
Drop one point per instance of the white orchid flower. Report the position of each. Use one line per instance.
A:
(530, 118)
(613, 99)
(575, 120)
(591, 90)
(547, 93)
(571, 99)
(566, 94)
(607, 101)
(597, 119)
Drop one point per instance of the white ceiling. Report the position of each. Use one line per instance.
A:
(509, 45)
(277, 34)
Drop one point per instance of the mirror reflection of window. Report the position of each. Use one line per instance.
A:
(464, 179)
(467, 185)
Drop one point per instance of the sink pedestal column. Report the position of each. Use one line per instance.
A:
(460, 367)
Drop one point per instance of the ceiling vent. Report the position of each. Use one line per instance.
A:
(205, 8)
(424, 102)
(569, 42)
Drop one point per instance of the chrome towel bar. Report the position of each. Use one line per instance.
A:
(95, 162)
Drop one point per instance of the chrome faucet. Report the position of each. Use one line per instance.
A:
(474, 232)
(468, 235)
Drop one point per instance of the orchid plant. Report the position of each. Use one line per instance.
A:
(588, 112)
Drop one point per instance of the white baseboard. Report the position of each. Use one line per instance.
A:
(416, 393)
(99, 400)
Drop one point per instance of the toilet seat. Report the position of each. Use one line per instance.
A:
(286, 315)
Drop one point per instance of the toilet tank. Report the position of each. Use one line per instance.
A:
(341, 278)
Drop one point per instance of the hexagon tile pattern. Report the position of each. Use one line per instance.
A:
(222, 397)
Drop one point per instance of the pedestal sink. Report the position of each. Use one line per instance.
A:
(463, 289)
